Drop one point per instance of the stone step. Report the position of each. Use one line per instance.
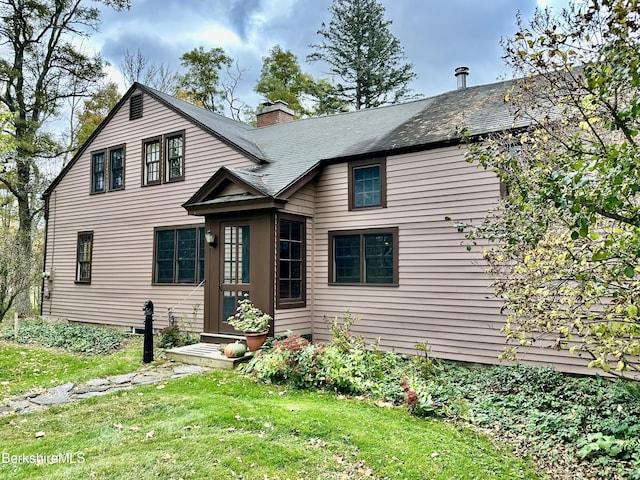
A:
(205, 355)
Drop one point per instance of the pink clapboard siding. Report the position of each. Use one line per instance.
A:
(444, 296)
(123, 226)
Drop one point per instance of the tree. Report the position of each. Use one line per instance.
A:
(201, 83)
(14, 277)
(237, 108)
(282, 78)
(566, 257)
(136, 67)
(94, 110)
(363, 54)
(328, 100)
(41, 66)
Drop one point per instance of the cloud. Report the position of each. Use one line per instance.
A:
(437, 36)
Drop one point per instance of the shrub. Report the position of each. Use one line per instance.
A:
(73, 337)
(172, 336)
(346, 364)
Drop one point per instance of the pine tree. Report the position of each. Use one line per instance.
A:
(366, 57)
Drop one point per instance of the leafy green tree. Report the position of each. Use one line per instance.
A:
(282, 78)
(566, 256)
(41, 66)
(201, 83)
(362, 52)
(94, 111)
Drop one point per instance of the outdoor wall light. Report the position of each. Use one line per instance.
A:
(211, 239)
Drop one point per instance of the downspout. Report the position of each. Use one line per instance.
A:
(44, 253)
(312, 311)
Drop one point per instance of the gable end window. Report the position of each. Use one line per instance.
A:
(291, 262)
(368, 184)
(174, 148)
(151, 161)
(116, 168)
(98, 172)
(135, 107)
(179, 255)
(364, 257)
(83, 257)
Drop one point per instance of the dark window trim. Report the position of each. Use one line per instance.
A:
(166, 138)
(175, 228)
(135, 107)
(145, 142)
(369, 231)
(84, 280)
(122, 146)
(92, 190)
(382, 163)
(292, 303)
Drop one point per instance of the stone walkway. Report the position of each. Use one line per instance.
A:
(69, 392)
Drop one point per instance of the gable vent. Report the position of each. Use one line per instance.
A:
(135, 107)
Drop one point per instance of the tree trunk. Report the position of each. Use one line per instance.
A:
(25, 229)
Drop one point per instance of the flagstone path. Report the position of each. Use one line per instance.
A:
(69, 392)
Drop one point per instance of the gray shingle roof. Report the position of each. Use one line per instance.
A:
(289, 150)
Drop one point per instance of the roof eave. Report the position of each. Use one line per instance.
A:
(253, 204)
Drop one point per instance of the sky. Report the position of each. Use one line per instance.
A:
(437, 35)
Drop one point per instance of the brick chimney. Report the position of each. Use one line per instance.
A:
(273, 113)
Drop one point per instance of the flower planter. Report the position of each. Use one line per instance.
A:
(255, 340)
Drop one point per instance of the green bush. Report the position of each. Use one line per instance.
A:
(301, 364)
(73, 337)
(172, 336)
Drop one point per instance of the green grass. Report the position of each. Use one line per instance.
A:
(221, 425)
(25, 367)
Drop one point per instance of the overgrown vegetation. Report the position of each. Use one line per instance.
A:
(72, 337)
(588, 425)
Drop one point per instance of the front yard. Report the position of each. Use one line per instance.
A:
(344, 410)
(222, 425)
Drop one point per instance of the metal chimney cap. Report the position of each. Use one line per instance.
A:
(461, 74)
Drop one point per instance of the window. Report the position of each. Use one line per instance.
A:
(116, 168)
(368, 184)
(364, 257)
(291, 263)
(83, 256)
(179, 255)
(97, 172)
(175, 157)
(135, 107)
(151, 159)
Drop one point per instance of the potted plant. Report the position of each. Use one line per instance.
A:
(252, 321)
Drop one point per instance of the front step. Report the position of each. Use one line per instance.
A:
(223, 338)
(205, 355)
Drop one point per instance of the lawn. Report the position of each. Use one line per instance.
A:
(25, 367)
(221, 425)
